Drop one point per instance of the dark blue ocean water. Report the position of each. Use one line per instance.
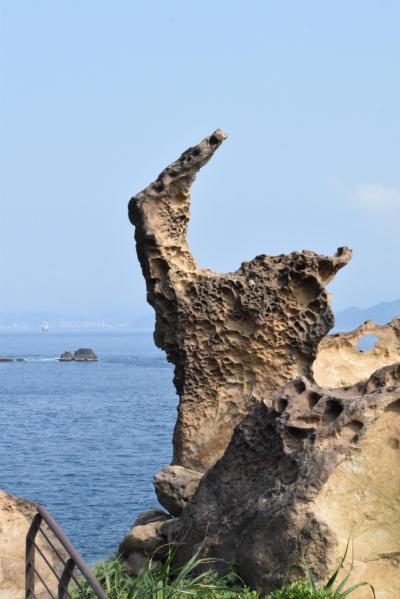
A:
(84, 439)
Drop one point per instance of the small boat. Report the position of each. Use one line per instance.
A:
(45, 326)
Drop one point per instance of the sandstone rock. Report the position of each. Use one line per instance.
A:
(15, 518)
(300, 476)
(146, 537)
(233, 337)
(339, 361)
(66, 357)
(85, 355)
(175, 486)
(154, 515)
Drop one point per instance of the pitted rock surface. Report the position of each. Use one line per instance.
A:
(300, 477)
(340, 362)
(233, 337)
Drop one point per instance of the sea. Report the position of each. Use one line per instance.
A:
(84, 439)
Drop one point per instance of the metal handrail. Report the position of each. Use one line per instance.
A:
(74, 560)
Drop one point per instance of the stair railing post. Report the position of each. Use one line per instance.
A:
(30, 557)
(65, 579)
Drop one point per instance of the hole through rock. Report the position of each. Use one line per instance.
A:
(367, 343)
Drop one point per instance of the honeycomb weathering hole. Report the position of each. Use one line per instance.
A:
(298, 433)
(333, 409)
(299, 386)
(394, 407)
(313, 398)
(282, 405)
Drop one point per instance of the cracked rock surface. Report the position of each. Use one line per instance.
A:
(233, 337)
(301, 476)
(340, 362)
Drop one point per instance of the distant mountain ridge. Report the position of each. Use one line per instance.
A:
(351, 318)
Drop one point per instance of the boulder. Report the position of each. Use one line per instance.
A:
(85, 355)
(5, 359)
(305, 472)
(341, 360)
(233, 337)
(15, 518)
(146, 538)
(66, 357)
(175, 486)
(153, 515)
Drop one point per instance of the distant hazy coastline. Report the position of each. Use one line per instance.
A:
(31, 322)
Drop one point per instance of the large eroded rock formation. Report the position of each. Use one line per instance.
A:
(233, 337)
(301, 476)
(340, 362)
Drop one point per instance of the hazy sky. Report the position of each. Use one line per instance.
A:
(98, 97)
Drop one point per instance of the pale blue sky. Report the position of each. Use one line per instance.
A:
(98, 97)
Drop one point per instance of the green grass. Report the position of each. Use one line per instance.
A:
(166, 582)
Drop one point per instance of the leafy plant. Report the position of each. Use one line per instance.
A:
(162, 581)
(165, 581)
(301, 589)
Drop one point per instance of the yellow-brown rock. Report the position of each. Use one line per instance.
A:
(175, 486)
(340, 362)
(15, 519)
(303, 474)
(145, 540)
(233, 337)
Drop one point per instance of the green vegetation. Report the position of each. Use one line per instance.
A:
(166, 582)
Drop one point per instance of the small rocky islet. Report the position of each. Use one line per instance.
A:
(6, 359)
(81, 355)
(84, 354)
